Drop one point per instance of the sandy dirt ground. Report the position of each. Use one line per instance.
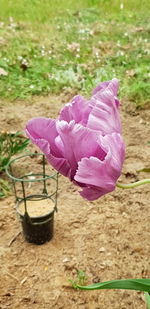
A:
(107, 238)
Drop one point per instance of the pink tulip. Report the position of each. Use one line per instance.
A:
(84, 143)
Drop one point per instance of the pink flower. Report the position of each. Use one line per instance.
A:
(84, 143)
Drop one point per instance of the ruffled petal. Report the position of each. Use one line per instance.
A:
(78, 142)
(102, 174)
(77, 110)
(115, 145)
(42, 132)
(65, 132)
(100, 87)
(60, 164)
(112, 84)
(92, 193)
(92, 171)
(104, 115)
(45, 129)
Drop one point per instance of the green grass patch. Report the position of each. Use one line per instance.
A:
(50, 47)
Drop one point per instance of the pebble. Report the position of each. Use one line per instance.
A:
(141, 121)
(102, 249)
(66, 260)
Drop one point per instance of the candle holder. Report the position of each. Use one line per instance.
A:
(36, 196)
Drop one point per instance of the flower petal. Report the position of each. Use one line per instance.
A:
(113, 84)
(104, 115)
(42, 132)
(92, 193)
(60, 164)
(45, 129)
(100, 87)
(92, 171)
(102, 174)
(114, 143)
(78, 142)
(77, 110)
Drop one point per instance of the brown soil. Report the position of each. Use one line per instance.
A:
(108, 238)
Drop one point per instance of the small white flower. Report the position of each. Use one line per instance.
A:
(43, 52)
(24, 61)
(6, 59)
(120, 53)
(91, 32)
(31, 86)
(82, 31)
(121, 6)
(20, 57)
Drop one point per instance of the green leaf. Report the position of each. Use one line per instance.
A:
(147, 296)
(4, 188)
(5, 161)
(147, 170)
(129, 284)
(11, 144)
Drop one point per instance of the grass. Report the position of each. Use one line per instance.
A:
(50, 47)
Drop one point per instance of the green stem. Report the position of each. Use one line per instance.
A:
(134, 184)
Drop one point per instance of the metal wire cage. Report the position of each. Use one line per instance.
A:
(31, 182)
